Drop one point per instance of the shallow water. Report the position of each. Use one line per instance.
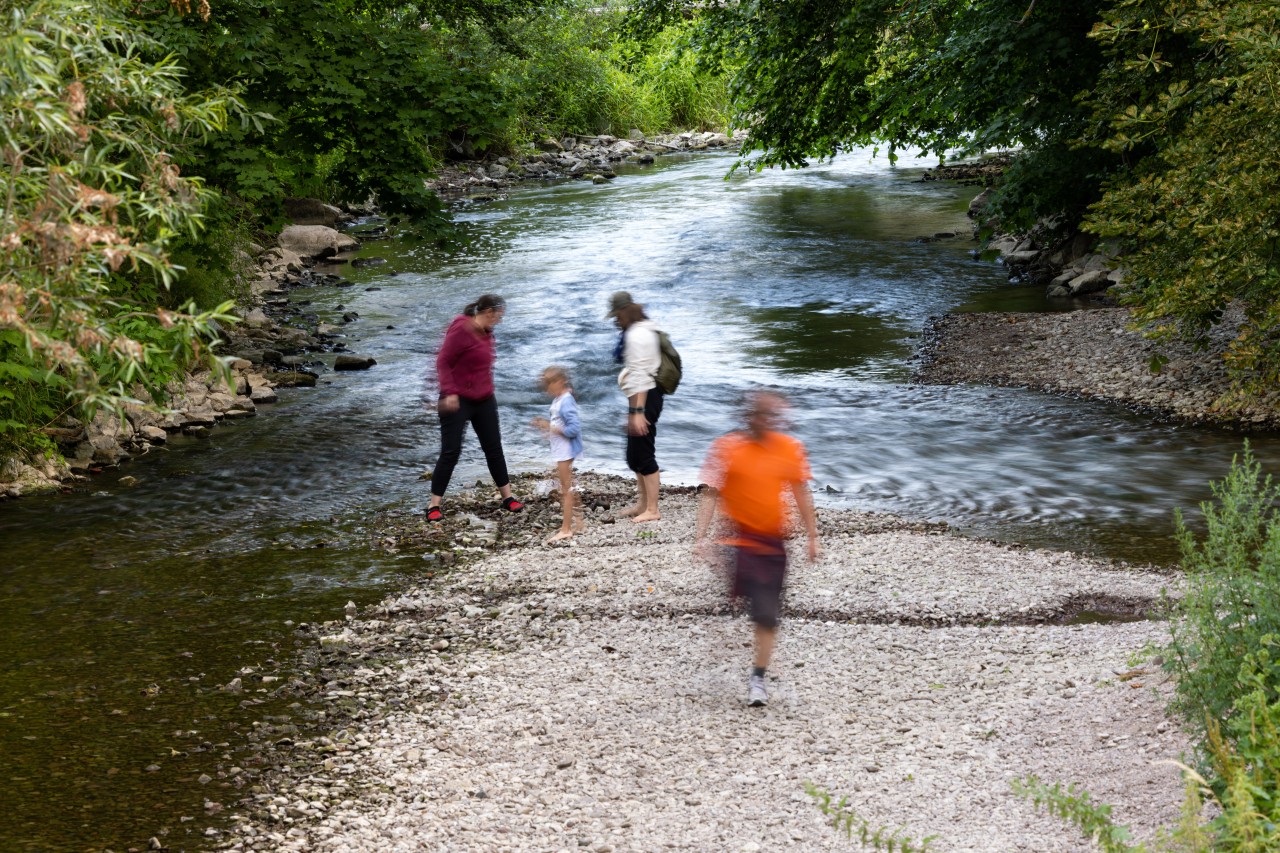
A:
(123, 607)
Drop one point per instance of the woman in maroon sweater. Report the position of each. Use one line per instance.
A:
(464, 366)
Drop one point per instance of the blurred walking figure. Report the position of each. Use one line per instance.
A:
(564, 432)
(464, 367)
(749, 474)
(639, 353)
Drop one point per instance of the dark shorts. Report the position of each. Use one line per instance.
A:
(642, 449)
(758, 577)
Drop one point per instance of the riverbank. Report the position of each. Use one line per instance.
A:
(590, 696)
(1093, 354)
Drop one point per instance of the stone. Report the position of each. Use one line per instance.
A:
(294, 379)
(311, 211)
(353, 362)
(257, 319)
(979, 204)
(282, 259)
(262, 395)
(1089, 282)
(316, 241)
(1064, 278)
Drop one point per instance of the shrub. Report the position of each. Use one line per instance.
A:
(89, 135)
(1232, 600)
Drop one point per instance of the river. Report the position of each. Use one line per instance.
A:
(125, 608)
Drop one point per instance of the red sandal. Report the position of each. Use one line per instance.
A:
(512, 505)
(434, 513)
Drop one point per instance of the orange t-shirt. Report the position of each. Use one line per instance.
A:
(753, 477)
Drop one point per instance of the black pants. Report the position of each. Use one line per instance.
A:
(483, 417)
(642, 449)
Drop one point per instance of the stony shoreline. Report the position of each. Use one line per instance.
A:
(1093, 354)
(590, 695)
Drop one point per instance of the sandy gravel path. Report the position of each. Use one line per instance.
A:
(591, 697)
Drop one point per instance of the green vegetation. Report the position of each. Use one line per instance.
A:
(91, 196)
(1152, 123)
(1225, 653)
(845, 820)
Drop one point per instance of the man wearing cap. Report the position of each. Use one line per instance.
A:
(640, 356)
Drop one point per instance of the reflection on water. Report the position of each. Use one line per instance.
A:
(122, 605)
(817, 337)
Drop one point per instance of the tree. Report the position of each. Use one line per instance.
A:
(817, 76)
(1189, 97)
(89, 137)
(345, 99)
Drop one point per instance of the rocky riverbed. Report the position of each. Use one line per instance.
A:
(591, 695)
(1094, 353)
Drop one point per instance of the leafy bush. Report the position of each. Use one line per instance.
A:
(342, 101)
(679, 91)
(1232, 600)
(1200, 219)
(564, 78)
(89, 131)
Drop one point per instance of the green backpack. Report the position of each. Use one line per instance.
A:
(670, 371)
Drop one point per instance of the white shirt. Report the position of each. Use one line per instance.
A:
(641, 358)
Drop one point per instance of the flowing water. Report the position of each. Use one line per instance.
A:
(123, 608)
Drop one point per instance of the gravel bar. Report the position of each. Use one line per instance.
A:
(591, 696)
(1094, 353)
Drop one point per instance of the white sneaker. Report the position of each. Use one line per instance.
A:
(757, 695)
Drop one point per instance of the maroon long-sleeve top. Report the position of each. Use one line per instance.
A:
(464, 364)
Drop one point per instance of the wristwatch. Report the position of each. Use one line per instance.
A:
(635, 410)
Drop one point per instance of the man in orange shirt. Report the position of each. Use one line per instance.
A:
(749, 473)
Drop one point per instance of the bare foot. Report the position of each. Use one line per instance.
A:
(646, 516)
(630, 511)
(562, 534)
(579, 525)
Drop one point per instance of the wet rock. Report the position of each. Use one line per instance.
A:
(294, 379)
(1090, 282)
(353, 362)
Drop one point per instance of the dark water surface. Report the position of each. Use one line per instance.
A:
(123, 608)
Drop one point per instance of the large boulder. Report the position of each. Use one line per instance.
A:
(1091, 281)
(315, 241)
(311, 211)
